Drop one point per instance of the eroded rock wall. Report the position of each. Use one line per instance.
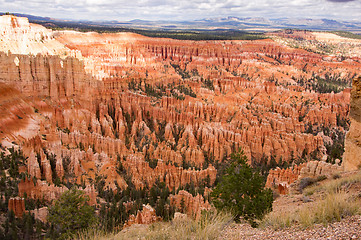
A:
(47, 76)
(352, 155)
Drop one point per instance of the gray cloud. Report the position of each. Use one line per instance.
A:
(184, 9)
(340, 0)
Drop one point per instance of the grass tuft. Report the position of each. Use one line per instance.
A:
(92, 233)
(278, 220)
(209, 226)
(334, 207)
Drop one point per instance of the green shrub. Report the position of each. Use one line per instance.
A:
(241, 191)
(70, 214)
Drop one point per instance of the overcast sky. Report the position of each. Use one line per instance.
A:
(184, 9)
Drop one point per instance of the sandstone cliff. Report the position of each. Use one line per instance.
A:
(21, 37)
(351, 158)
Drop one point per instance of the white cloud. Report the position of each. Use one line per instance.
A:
(184, 9)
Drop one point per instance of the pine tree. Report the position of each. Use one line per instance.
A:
(241, 191)
(70, 213)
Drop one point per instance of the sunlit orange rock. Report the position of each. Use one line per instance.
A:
(146, 216)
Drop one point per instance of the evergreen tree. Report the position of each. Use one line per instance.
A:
(70, 213)
(241, 191)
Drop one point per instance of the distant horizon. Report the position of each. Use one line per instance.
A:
(171, 10)
(170, 20)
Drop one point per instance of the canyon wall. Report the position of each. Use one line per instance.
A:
(351, 158)
(47, 76)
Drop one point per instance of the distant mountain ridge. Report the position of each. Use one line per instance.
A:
(230, 22)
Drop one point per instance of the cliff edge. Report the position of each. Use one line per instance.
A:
(352, 155)
(21, 37)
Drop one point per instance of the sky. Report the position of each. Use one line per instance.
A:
(123, 10)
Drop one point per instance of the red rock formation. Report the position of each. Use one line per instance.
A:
(43, 76)
(280, 179)
(17, 205)
(14, 113)
(186, 203)
(40, 190)
(146, 216)
(174, 177)
(21, 37)
(320, 168)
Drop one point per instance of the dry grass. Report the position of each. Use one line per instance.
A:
(334, 207)
(334, 185)
(278, 220)
(92, 233)
(334, 204)
(209, 226)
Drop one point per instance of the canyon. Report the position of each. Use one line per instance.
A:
(113, 112)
